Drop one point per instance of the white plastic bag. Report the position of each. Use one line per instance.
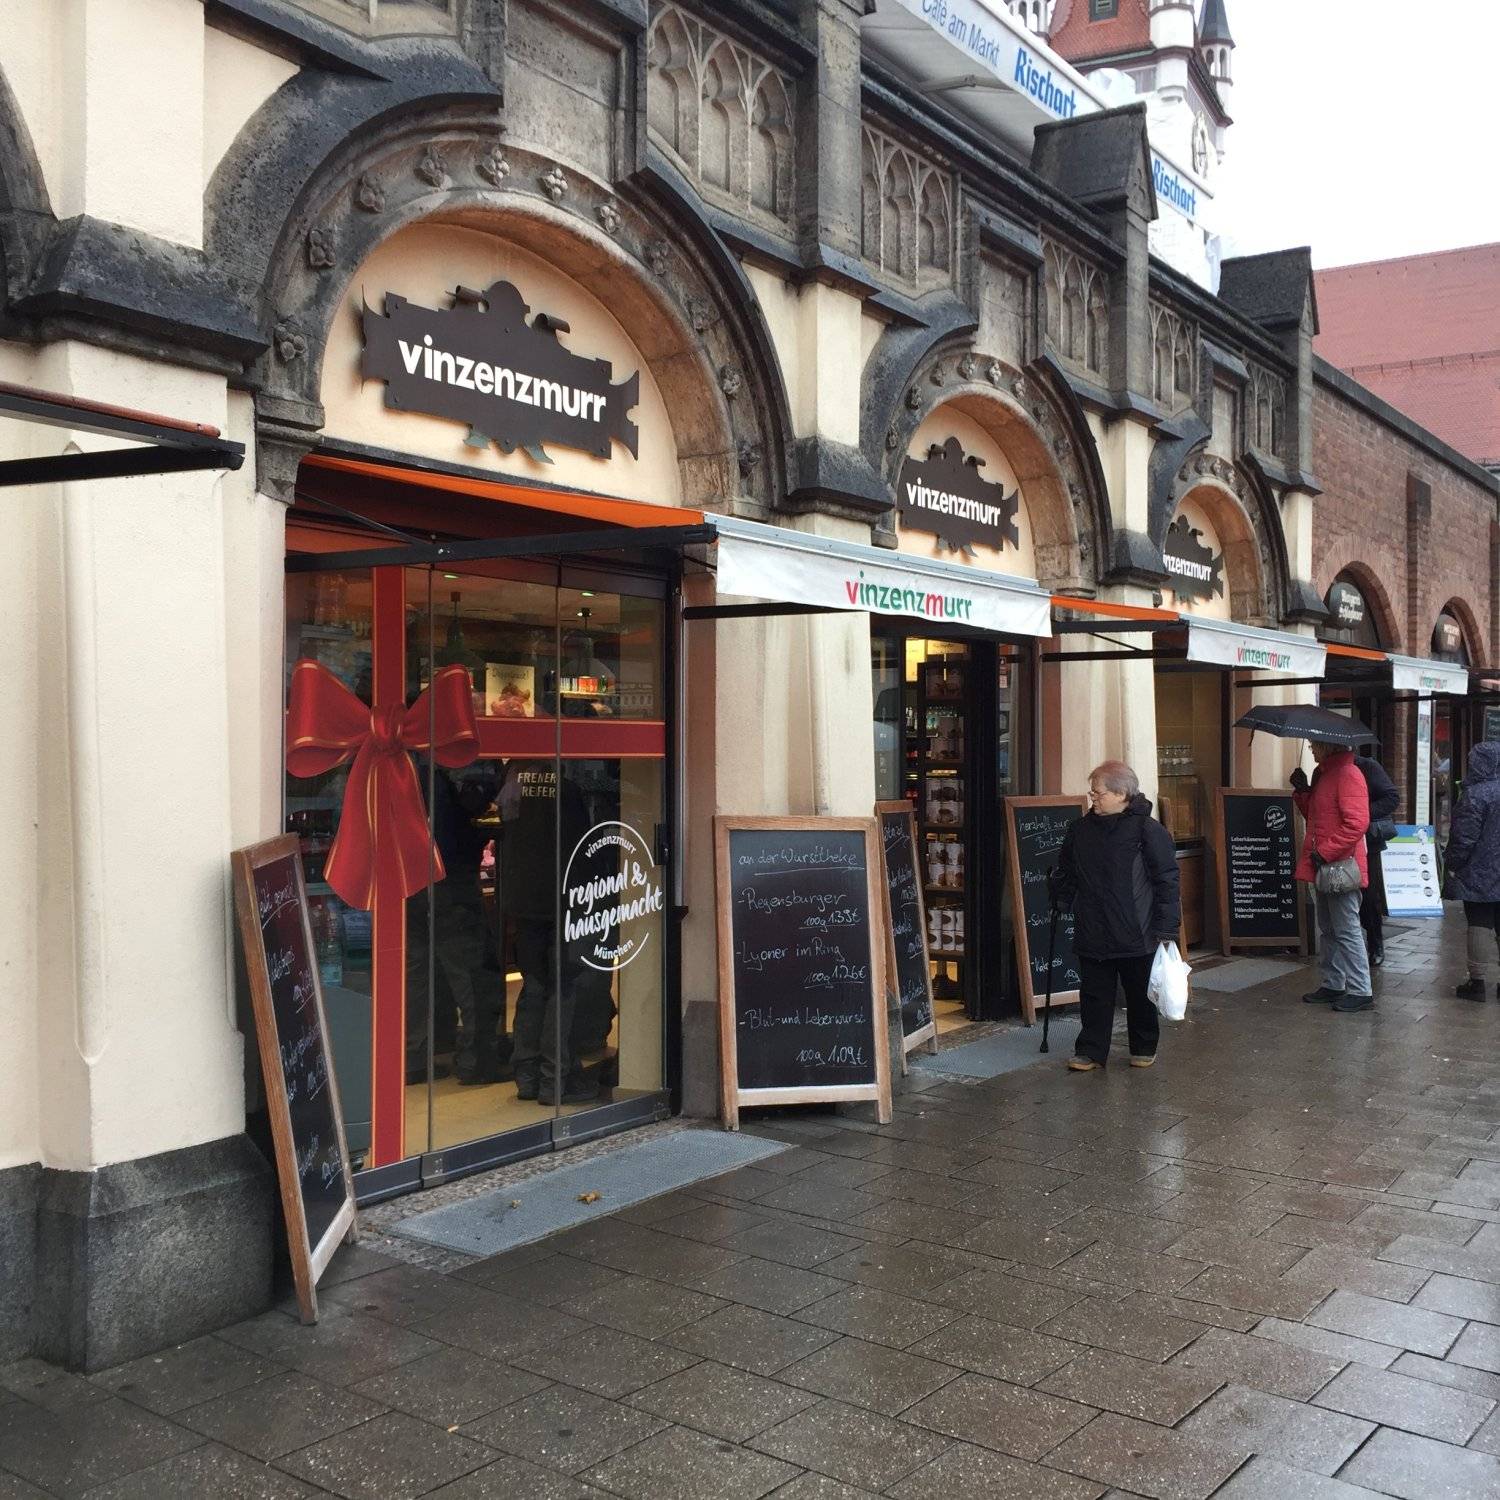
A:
(1168, 989)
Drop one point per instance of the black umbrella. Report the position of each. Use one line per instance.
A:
(1306, 721)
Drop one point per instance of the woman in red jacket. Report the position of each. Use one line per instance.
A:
(1337, 808)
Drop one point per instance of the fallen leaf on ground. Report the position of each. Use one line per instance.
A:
(589, 1197)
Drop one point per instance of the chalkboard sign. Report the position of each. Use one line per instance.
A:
(1035, 828)
(307, 1122)
(908, 967)
(802, 947)
(1259, 903)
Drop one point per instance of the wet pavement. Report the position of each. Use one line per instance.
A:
(1267, 1267)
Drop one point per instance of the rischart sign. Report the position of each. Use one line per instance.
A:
(1197, 572)
(481, 362)
(611, 882)
(944, 494)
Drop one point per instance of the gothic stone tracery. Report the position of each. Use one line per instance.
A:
(907, 213)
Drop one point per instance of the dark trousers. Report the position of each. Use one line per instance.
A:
(544, 1008)
(469, 996)
(1102, 979)
(1372, 907)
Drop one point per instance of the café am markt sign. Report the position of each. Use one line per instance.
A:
(1196, 571)
(945, 495)
(515, 385)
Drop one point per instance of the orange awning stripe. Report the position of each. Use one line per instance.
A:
(1359, 653)
(589, 507)
(1112, 611)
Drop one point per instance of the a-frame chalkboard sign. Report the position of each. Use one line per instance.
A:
(802, 946)
(1035, 828)
(291, 1028)
(908, 963)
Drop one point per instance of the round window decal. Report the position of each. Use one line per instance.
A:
(611, 882)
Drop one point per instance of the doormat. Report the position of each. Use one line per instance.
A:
(1004, 1052)
(1243, 974)
(543, 1205)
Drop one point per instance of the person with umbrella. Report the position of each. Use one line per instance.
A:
(1336, 807)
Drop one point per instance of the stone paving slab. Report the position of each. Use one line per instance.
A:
(1267, 1267)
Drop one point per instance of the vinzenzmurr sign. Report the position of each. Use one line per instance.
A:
(512, 381)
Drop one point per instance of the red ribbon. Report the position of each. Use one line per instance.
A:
(383, 817)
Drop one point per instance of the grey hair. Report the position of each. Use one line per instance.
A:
(1117, 777)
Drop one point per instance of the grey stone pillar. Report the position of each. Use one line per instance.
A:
(828, 129)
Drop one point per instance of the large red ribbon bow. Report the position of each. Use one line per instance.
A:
(383, 817)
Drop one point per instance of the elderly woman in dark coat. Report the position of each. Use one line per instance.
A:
(1474, 860)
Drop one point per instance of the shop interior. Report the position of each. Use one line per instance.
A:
(483, 1021)
(950, 740)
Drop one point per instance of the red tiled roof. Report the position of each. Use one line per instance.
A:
(1423, 333)
(1078, 39)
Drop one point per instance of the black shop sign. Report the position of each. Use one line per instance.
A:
(945, 495)
(512, 381)
(1346, 607)
(1196, 571)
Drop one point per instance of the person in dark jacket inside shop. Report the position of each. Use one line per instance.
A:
(1118, 872)
(1384, 799)
(1474, 861)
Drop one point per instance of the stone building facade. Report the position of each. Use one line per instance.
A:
(818, 276)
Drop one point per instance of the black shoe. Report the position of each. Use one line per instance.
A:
(1473, 989)
(1377, 958)
(419, 1074)
(1349, 1000)
(1322, 996)
(494, 1072)
(526, 1086)
(575, 1091)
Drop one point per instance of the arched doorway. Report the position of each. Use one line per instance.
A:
(956, 710)
(465, 602)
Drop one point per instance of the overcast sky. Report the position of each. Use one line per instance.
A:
(1364, 128)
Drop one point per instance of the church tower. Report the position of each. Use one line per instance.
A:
(1216, 44)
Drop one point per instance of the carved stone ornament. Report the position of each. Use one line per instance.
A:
(730, 381)
(938, 375)
(289, 340)
(996, 373)
(702, 314)
(369, 194)
(657, 257)
(748, 454)
(321, 255)
(609, 218)
(493, 166)
(892, 439)
(433, 168)
(555, 185)
(967, 366)
(913, 399)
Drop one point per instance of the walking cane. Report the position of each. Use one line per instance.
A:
(1047, 1003)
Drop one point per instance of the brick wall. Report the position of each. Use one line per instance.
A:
(1416, 533)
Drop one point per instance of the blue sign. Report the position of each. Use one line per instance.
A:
(1044, 87)
(1172, 189)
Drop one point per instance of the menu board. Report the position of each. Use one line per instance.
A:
(910, 975)
(1260, 905)
(1409, 867)
(802, 995)
(1035, 829)
(307, 1122)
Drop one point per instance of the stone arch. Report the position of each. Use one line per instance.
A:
(723, 120)
(1377, 596)
(1245, 567)
(26, 216)
(648, 254)
(1468, 622)
(669, 104)
(1048, 453)
(771, 146)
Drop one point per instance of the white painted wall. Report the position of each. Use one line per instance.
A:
(238, 77)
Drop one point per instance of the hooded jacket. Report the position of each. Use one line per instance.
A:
(1337, 809)
(1118, 872)
(1474, 835)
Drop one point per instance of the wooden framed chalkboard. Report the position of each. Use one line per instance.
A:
(802, 991)
(908, 964)
(1259, 903)
(1035, 828)
(302, 1093)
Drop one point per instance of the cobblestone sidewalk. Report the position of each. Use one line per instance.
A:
(1268, 1267)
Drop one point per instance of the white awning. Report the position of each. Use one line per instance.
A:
(1415, 674)
(1226, 644)
(756, 561)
